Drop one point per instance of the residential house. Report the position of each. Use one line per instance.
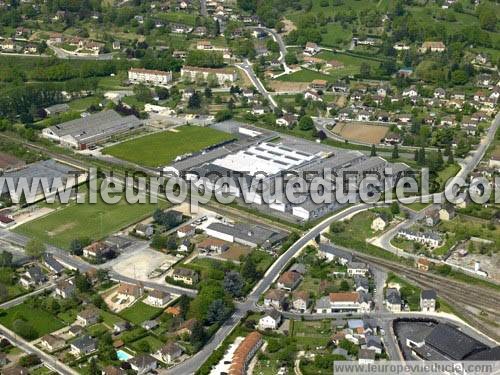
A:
(357, 268)
(301, 301)
(186, 328)
(186, 231)
(361, 284)
(289, 280)
(245, 352)
(366, 356)
(288, 120)
(87, 317)
(148, 325)
(83, 345)
(410, 92)
(75, 330)
(374, 343)
(270, 320)
(143, 364)
(393, 300)
(378, 223)
(126, 290)
(157, 298)
(121, 326)
(319, 84)
(430, 239)
(311, 49)
(432, 218)
(144, 230)
(275, 298)
(221, 75)
(432, 47)
(439, 93)
(184, 246)
(185, 275)
(65, 288)
(330, 253)
(113, 370)
(447, 213)
(32, 277)
(52, 343)
(98, 250)
(349, 302)
(212, 245)
(428, 300)
(312, 95)
(423, 264)
(52, 264)
(169, 353)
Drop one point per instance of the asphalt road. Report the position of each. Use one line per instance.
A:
(246, 66)
(278, 39)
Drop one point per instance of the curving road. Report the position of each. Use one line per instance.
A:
(246, 66)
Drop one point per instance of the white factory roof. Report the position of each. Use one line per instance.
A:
(264, 158)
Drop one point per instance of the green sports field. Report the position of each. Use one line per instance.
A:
(161, 149)
(94, 221)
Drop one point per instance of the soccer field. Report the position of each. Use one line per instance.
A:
(161, 149)
(93, 221)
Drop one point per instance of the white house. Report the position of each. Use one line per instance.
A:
(154, 77)
(169, 352)
(157, 298)
(378, 224)
(311, 49)
(357, 268)
(270, 320)
(428, 300)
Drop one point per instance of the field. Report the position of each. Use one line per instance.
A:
(359, 132)
(306, 75)
(94, 221)
(162, 148)
(41, 321)
(288, 87)
(140, 312)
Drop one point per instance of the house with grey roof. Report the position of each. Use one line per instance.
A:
(143, 363)
(330, 253)
(393, 300)
(32, 277)
(248, 235)
(169, 352)
(428, 300)
(53, 264)
(56, 109)
(83, 345)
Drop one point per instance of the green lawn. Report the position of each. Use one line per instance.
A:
(83, 103)
(140, 312)
(153, 343)
(94, 221)
(109, 318)
(162, 148)
(41, 321)
(306, 75)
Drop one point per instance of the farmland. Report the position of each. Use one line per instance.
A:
(162, 148)
(359, 132)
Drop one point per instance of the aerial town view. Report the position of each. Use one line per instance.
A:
(266, 187)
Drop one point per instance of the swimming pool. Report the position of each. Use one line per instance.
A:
(123, 356)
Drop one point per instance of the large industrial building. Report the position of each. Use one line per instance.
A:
(89, 130)
(47, 169)
(259, 153)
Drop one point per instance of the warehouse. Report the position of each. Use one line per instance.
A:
(47, 169)
(248, 235)
(89, 130)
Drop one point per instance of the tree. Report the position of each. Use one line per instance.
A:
(5, 259)
(365, 70)
(35, 248)
(233, 284)
(291, 58)
(217, 312)
(395, 208)
(373, 151)
(344, 286)
(198, 335)
(93, 369)
(395, 152)
(306, 123)
(194, 101)
(208, 92)
(249, 270)
(451, 159)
